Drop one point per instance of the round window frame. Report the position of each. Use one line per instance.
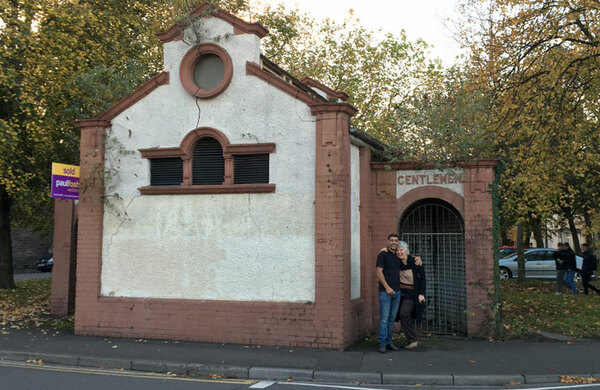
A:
(188, 65)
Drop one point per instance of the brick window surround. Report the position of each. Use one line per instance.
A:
(192, 58)
(185, 152)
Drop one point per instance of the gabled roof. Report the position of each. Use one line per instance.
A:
(328, 91)
(207, 10)
(266, 70)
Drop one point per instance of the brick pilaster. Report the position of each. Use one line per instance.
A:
(62, 299)
(479, 175)
(90, 220)
(332, 220)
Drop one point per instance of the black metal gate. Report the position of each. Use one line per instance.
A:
(434, 230)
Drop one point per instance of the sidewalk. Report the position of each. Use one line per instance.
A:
(436, 361)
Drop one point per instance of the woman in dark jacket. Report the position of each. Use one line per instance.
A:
(412, 294)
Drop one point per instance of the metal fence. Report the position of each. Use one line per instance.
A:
(434, 230)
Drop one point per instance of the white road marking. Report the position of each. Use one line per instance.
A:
(262, 384)
(566, 386)
(133, 374)
(329, 386)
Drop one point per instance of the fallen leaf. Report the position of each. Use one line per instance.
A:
(578, 379)
(472, 361)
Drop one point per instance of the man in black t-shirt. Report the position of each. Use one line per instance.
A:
(571, 265)
(388, 274)
(561, 268)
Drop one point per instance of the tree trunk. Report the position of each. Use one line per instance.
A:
(526, 237)
(536, 226)
(6, 266)
(574, 235)
(504, 236)
(520, 253)
(589, 238)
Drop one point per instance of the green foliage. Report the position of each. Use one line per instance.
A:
(541, 62)
(62, 60)
(445, 118)
(377, 72)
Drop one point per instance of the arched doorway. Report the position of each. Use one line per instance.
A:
(434, 230)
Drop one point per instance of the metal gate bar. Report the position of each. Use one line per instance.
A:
(434, 231)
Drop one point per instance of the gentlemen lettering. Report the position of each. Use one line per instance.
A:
(430, 179)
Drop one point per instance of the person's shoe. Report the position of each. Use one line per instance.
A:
(557, 293)
(412, 345)
(391, 347)
(382, 349)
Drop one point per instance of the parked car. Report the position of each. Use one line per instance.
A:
(506, 251)
(539, 264)
(45, 265)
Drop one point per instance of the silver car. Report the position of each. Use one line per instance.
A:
(539, 264)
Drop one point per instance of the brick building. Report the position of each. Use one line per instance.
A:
(242, 208)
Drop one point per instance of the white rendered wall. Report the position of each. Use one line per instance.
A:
(241, 247)
(355, 221)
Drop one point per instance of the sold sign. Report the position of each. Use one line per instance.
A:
(65, 181)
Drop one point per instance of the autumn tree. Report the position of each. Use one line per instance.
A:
(540, 60)
(61, 60)
(376, 70)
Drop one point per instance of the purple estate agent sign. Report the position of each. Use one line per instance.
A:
(65, 181)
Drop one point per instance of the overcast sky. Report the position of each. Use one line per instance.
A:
(430, 20)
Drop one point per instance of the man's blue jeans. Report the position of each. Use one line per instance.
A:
(570, 279)
(388, 307)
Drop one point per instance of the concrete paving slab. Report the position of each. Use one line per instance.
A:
(537, 379)
(88, 361)
(149, 366)
(51, 358)
(280, 373)
(423, 379)
(487, 380)
(347, 377)
(13, 355)
(218, 370)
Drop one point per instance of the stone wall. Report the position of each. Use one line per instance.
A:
(28, 247)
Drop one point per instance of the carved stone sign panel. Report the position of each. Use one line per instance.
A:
(452, 179)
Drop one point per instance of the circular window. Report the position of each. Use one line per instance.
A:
(206, 70)
(209, 71)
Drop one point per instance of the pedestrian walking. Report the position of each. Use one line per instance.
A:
(571, 266)
(561, 268)
(590, 264)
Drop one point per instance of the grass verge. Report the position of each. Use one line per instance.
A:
(531, 307)
(28, 306)
(528, 308)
